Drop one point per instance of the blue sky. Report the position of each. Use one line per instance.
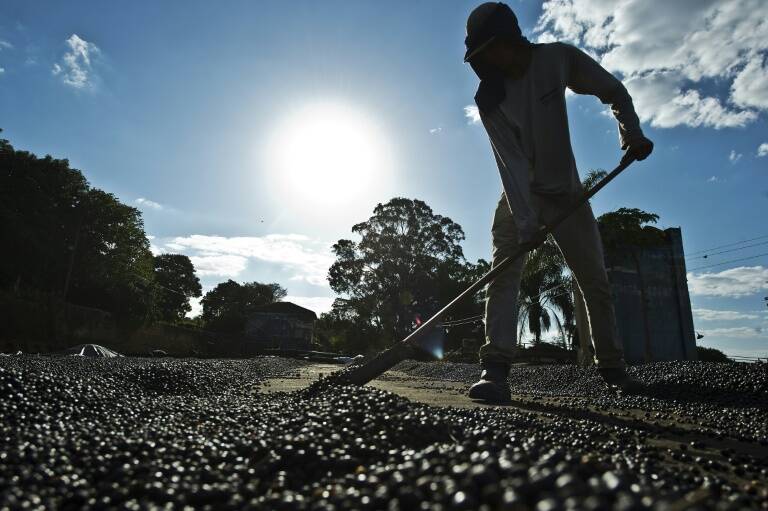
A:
(195, 111)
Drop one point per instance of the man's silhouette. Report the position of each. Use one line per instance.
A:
(521, 99)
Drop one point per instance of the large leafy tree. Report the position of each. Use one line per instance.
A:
(407, 263)
(227, 306)
(70, 240)
(176, 284)
(40, 201)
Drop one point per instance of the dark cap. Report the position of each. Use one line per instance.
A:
(488, 22)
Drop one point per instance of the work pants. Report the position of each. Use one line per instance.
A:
(579, 241)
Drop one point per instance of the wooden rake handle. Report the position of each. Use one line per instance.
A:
(392, 356)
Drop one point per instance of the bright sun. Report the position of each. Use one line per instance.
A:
(329, 153)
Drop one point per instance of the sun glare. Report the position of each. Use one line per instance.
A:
(329, 153)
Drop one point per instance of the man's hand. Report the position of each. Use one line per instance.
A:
(639, 149)
(535, 240)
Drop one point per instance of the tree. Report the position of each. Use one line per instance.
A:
(342, 330)
(545, 290)
(227, 306)
(74, 242)
(546, 287)
(711, 355)
(593, 177)
(112, 263)
(176, 284)
(398, 273)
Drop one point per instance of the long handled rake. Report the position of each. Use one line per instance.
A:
(392, 356)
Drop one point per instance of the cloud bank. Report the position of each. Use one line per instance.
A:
(685, 62)
(307, 258)
(732, 283)
(739, 332)
(722, 315)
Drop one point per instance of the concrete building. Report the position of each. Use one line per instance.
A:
(650, 294)
(280, 325)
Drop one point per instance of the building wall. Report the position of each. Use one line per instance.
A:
(661, 326)
(278, 330)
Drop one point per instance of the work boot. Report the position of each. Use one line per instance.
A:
(618, 378)
(492, 387)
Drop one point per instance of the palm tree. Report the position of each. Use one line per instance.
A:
(546, 287)
(544, 291)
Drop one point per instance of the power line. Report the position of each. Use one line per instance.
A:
(727, 245)
(705, 256)
(731, 261)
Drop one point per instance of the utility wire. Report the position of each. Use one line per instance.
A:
(727, 245)
(731, 261)
(705, 256)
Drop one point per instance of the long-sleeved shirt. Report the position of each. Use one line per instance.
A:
(529, 128)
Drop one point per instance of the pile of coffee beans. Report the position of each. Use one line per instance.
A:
(162, 433)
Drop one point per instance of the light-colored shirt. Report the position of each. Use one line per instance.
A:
(529, 128)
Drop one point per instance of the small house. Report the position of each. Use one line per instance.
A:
(280, 325)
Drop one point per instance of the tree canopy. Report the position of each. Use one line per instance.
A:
(629, 227)
(406, 265)
(71, 240)
(176, 284)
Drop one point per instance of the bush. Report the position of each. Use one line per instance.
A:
(711, 355)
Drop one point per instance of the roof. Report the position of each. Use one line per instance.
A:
(287, 308)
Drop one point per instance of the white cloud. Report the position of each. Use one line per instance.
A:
(722, 315)
(734, 283)
(319, 304)
(670, 53)
(5, 45)
(713, 179)
(762, 150)
(472, 113)
(750, 87)
(142, 201)
(435, 131)
(734, 156)
(76, 66)
(2, 70)
(309, 259)
(222, 265)
(738, 332)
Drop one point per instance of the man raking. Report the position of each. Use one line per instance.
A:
(521, 99)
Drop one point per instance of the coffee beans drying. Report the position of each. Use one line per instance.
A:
(163, 433)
